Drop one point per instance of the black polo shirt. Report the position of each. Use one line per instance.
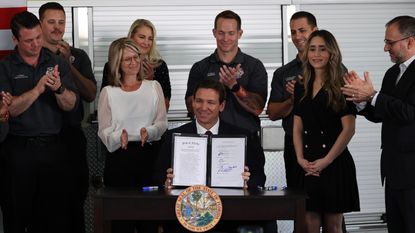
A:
(254, 79)
(82, 63)
(44, 116)
(278, 91)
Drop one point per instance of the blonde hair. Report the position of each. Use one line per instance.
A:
(115, 53)
(154, 56)
(334, 71)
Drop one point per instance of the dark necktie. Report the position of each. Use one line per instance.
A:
(208, 132)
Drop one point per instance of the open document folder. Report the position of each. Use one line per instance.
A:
(216, 161)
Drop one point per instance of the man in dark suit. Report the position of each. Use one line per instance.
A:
(394, 106)
(208, 102)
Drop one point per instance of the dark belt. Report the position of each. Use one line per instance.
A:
(37, 140)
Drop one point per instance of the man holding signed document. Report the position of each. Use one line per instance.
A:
(208, 102)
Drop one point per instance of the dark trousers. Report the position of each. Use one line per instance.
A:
(400, 209)
(76, 147)
(133, 167)
(35, 185)
(294, 173)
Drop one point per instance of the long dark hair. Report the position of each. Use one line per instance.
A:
(334, 71)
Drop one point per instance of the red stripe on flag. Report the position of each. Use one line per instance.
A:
(4, 53)
(6, 14)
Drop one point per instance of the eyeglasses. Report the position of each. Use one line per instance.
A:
(129, 60)
(392, 42)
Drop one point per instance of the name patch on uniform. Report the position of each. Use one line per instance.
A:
(211, 74)
(20, 76)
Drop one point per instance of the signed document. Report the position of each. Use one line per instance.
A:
(227, 161)
(216, 161)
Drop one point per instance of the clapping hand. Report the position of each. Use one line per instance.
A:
(124, 139)
(357, 89)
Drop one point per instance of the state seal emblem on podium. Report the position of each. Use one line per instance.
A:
(198, 208)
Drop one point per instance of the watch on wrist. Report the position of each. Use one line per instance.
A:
(60, 90)
(236, 87)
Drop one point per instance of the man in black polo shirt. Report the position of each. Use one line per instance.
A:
(244, 76)
(281, 100)
(53, 20)
(34, 159)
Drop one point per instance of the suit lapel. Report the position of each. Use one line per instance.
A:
(191, 128)
(223, 129)
(389, 81)
(406, 82)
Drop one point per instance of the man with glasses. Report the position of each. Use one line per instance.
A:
(394, 106)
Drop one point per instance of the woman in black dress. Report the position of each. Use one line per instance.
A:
(324, 123)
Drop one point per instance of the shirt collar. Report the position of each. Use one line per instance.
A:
(407, 63)
(43, 56)
(202, 130)
(238, 59)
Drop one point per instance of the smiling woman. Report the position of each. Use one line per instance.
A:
(131, 120)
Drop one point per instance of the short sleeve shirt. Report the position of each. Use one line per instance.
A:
(254, 79)
(83, 64)
(44, 116)
(278, 91)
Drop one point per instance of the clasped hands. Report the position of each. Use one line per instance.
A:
(168, 184)
(313, 168)
(124, 137)
(50, 80)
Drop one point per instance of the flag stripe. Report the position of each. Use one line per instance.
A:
(6, 15)
(3, 53)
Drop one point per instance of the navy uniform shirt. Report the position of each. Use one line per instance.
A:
(82, 63)
(44, 116)
(279, 92)
(254, 79)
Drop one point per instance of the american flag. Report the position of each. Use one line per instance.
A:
(8, 8)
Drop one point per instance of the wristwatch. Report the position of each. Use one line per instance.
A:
(60, 90)
(236, 87)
